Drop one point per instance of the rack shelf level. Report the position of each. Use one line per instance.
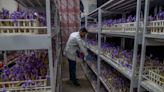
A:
(86, 74)
(24, 42)
(150, 86)
(155, 36)
(117, 67)
(101, 79)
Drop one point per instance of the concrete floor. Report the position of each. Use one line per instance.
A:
(68, 86)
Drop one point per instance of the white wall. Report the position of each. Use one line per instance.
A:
(89, 5)
(11, 5)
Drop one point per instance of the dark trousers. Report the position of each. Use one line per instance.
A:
(72, 69)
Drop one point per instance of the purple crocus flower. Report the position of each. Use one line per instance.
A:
(130, 18)
(150, 18)
(5, 13)
(4, 89)
(161, 15)
(23, 85)
(134, 19)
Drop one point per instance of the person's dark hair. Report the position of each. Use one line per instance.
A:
(83, 30)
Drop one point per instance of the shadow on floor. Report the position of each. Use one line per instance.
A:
(68, 86)
(84, 86)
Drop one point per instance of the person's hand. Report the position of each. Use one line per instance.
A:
(87, 58)
(82, 55)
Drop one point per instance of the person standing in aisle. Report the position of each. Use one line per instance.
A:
(74, 45)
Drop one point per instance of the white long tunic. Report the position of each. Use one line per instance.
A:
(74, 44)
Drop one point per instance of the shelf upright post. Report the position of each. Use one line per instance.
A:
(51, 69)
(123, 43)
(123, 38)
(124, 15)
(86, 20)
(104, 38)
(99, 48)
(48, 17)
(86, 24)
(86, 36)
(58, 49)
(61, 55)
(143, 52)
(138, 11)
(156, 10)
(60, 69)
(5, 57)
(57, 61)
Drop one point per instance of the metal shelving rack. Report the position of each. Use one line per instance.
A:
(116, 7)
(144, 83)
(37, 41)
(143, 38)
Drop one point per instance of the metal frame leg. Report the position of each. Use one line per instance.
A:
(135, 45)
(48, 17)
(142, 61)
(99, 49)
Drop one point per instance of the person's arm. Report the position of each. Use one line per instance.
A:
(82, 48)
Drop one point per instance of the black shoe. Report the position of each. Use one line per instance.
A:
(76, 83)
(74, 80)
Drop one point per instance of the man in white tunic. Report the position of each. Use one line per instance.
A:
(74, 45)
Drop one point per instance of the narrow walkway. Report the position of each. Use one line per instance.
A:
(68, 86)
